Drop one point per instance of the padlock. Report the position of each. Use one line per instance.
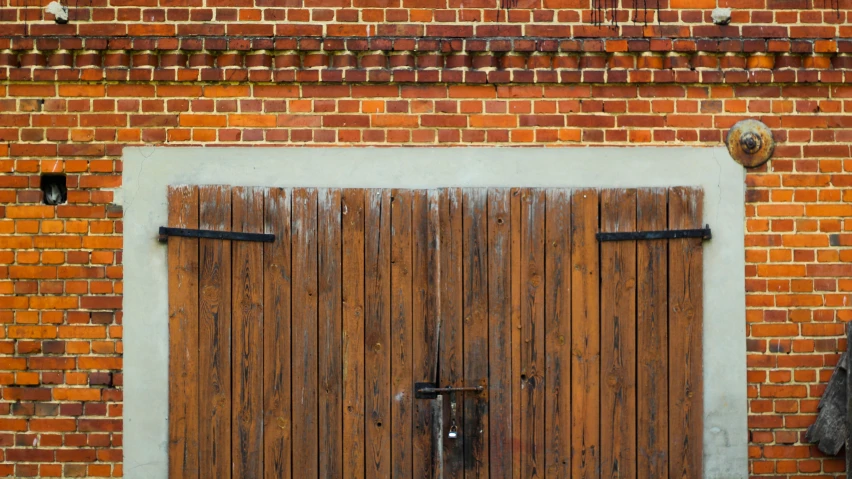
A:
(454, 432)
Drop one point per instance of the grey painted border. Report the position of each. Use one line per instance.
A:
(148, 171)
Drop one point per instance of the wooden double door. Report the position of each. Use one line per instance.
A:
(298, 358)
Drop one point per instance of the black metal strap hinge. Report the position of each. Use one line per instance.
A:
(703, 233)
(210, 234)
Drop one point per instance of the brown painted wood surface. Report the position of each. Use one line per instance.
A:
(652, 337)
(685, 326)
(425, 311)
(499, 333)
(304, 334)
(451, 354)
(475, 330)
(402, 381)
(312, 344)
(618, 336)
(329, 339)
(214, 330)
(183, 335)
(377, 346)
(277, 284)
(557, 298)
(531, 382)
(585, 336)
(247, 336)
(516, 221)
(352, 203)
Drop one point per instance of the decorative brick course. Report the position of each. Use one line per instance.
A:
(419, 60)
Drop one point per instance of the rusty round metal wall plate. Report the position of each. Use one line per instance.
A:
(750, 143)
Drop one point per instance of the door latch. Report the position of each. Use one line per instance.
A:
(432, 391)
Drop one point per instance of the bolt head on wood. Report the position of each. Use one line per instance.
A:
(750, 143)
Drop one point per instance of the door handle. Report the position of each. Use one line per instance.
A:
(432, 391)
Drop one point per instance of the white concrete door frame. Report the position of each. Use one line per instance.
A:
(149, 171)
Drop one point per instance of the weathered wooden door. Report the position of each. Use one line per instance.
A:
(297, 358)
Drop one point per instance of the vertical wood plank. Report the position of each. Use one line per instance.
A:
(426, 274)
(558, 333)
(585, 336)
(183, 335)
(618, 336)
(402, 386)
(214, 349)
(475, 332)
(451, 330)
(686, 319)
(500, 333)
(652, 337)
(352, 202)
(304, 334)
(531, 447)
(377, 332)
(330, 333)
(247, 327)
(277, 419)
(516, 290)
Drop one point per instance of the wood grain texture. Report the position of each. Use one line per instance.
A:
(247, 336)
(402, 323)
(685, 325)
(618, 336)
(585, 336)
(214, 348)
(652, 337)
(451, 329)
(499, 333)
(475, 330)
(531, 434)
(304, 334)
(426, 310)
(557, 314)
(183, 335)
(352, 203)
(377, 342)
(516, 298)
(330, 333)
(277, 285)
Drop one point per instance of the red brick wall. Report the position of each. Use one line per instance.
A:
(60, 267)
(435, 18)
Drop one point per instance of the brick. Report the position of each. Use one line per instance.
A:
(237, 120)
(201, 120)
(31, 332)
(82, 90)
(81, 332)
(30, 455)
(76, 394)
(52, 425)
(100, 425)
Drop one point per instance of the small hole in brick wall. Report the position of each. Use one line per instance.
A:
(54, 191)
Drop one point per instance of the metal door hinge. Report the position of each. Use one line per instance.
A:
(703, 233)
(210, 234)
